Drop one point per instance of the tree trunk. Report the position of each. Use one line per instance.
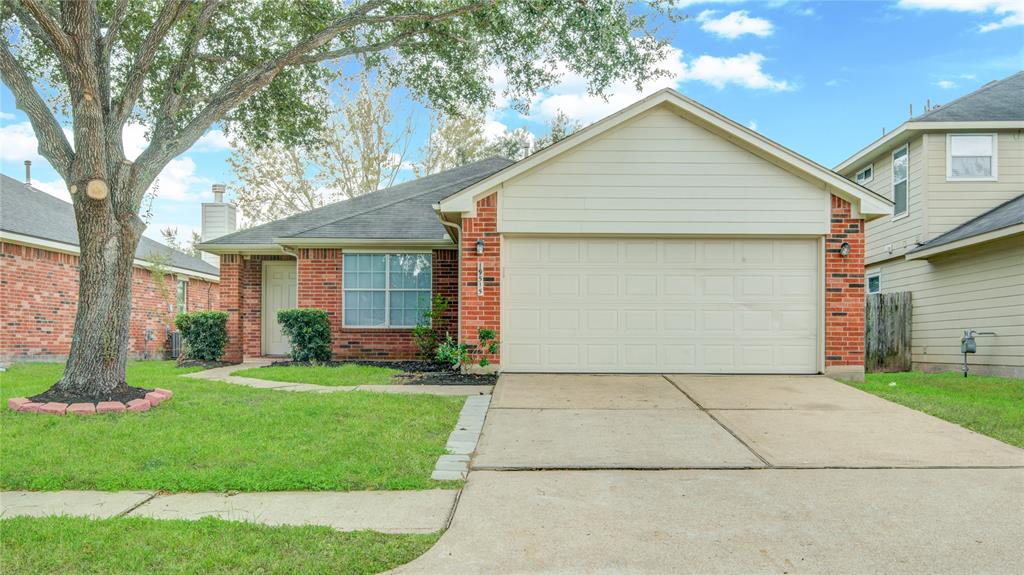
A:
(99, 346)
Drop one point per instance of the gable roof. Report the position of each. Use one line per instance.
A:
(1001, 221)
(400, 213)
(870, 204)
(28, 212)
(999, 100)
(998, 104)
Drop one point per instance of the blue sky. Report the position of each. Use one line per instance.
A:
(823, 78)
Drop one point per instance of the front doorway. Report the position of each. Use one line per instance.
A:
(279, 286)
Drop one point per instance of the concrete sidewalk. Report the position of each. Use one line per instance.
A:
(224, 374)
(856, 522)
(384, 511)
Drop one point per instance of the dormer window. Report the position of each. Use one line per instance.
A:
(866, 175)
(971, 157)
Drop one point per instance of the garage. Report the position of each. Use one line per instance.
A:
(665, 238)
(630, 305)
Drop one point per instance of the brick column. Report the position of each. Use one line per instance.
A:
(481, 310)
(844, 295)
(319, 273)
(445, 282)
(231, 302)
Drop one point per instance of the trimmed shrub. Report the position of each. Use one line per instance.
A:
(309, 332)
(204, 332)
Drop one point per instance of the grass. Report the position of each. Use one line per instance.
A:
(75, 545)
(988, 405)
(215, 436)
(343, 375)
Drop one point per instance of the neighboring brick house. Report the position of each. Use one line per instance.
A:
(39, 281)
(664, 238)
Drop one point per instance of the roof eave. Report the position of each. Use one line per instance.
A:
(907, 130)
(924, 252)
(443, 242)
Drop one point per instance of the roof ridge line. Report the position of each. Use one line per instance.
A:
(387, 205)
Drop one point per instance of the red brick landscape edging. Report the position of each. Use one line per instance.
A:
(152, 399)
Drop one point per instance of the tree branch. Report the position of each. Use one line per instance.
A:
(52, 144)
(120, 11)
(46, 22)
(136, 76)
(177, 79)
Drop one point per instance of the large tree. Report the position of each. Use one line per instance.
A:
(260, 70)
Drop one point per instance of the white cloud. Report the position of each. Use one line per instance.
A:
(18, 143)
(1009, 12)
(178, 182)
(212, 141)
(742, 70)
(56, 188)
(752, 125)
(6, 116)
(734, 24)
(134, 139)
(946, 84)
(835, 82)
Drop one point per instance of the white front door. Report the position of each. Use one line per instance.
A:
(700, 305)
(279, 285)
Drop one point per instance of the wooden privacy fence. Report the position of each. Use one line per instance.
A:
(887, 332)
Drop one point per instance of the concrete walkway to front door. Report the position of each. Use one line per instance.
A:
(727, 474)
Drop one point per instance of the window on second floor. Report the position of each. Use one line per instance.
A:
(971, 157)
(900, 174)
(866, 175)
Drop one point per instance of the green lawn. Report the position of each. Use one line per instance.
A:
(990, 405)
(343, 375)
(216, 436)
(75, 545)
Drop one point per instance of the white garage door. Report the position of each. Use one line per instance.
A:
(660, 305)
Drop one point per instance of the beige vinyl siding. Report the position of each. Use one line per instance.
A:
(952, 203)
(904, 233)
(661, 174)
(978, 288)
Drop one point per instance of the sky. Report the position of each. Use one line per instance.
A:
(822, 78)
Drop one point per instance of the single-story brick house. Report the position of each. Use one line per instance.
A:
(39, 281)
(663, 238)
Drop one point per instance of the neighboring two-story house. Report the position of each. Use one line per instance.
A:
(955, 240)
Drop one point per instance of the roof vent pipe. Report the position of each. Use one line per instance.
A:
(28, 172)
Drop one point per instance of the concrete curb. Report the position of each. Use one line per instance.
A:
(463, 440)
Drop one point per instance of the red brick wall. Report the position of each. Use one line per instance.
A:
(241, 295)
(39, 297)
(844, 289)
(481, 311)
(320, 286)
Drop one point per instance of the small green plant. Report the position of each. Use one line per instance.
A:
(309, 332)
(425, 333)
(455, 354)
(204, 332)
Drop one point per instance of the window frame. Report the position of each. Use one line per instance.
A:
(893, 182)
(856, 176)
(387, 286)
(949, 157)
(875, 273)
(182, 306)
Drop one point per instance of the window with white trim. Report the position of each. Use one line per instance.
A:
(385, 290)
(865, 175)
(181, 296)
(874, 281)
(970, 157)
(900, 173)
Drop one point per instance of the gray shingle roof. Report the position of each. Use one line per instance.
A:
(30, 212)
(1001, 100)
(401, 212)
(1004, 215)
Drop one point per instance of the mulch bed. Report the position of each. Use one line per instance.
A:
(123, 393)
(414, 372)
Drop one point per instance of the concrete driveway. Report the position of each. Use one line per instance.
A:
(726, 474)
